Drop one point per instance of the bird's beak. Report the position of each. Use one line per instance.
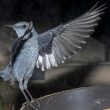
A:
(10, 26)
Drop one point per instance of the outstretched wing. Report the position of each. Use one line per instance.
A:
(60, 43)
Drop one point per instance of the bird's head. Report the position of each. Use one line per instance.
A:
(21, 27)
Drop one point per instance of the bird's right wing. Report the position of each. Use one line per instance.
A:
(58, 44)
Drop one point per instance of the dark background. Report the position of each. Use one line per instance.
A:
(47, 14)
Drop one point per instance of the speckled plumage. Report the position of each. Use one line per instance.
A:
(26, 60)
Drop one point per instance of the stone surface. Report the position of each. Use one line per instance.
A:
(88, 98)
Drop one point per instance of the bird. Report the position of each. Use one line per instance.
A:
(48, 49)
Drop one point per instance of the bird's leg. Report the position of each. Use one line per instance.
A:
(25, 87)
(22, 90)
(37, 102)
(28, 93)
(28, 101)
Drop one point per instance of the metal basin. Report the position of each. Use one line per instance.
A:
(88, 98)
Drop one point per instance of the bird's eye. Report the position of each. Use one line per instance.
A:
(24, 26)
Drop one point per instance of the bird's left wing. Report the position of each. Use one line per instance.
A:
(60, 43)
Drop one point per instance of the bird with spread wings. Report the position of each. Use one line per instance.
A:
(48, 49)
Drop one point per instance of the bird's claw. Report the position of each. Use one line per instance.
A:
(24, 104)
(33, 108)
(30, 105)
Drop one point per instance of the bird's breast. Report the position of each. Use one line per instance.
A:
(31, 42)
(30, 48)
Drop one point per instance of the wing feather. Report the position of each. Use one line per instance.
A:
(58, 44)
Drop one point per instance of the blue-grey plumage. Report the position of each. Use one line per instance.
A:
(48, 49)
(5, 74)
(22, 68)
(25, 62)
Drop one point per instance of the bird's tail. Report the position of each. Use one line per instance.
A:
(5, 73)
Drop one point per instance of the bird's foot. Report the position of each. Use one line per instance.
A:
(24, 104)
(36, 102)
(33, 107)
(30, 105)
